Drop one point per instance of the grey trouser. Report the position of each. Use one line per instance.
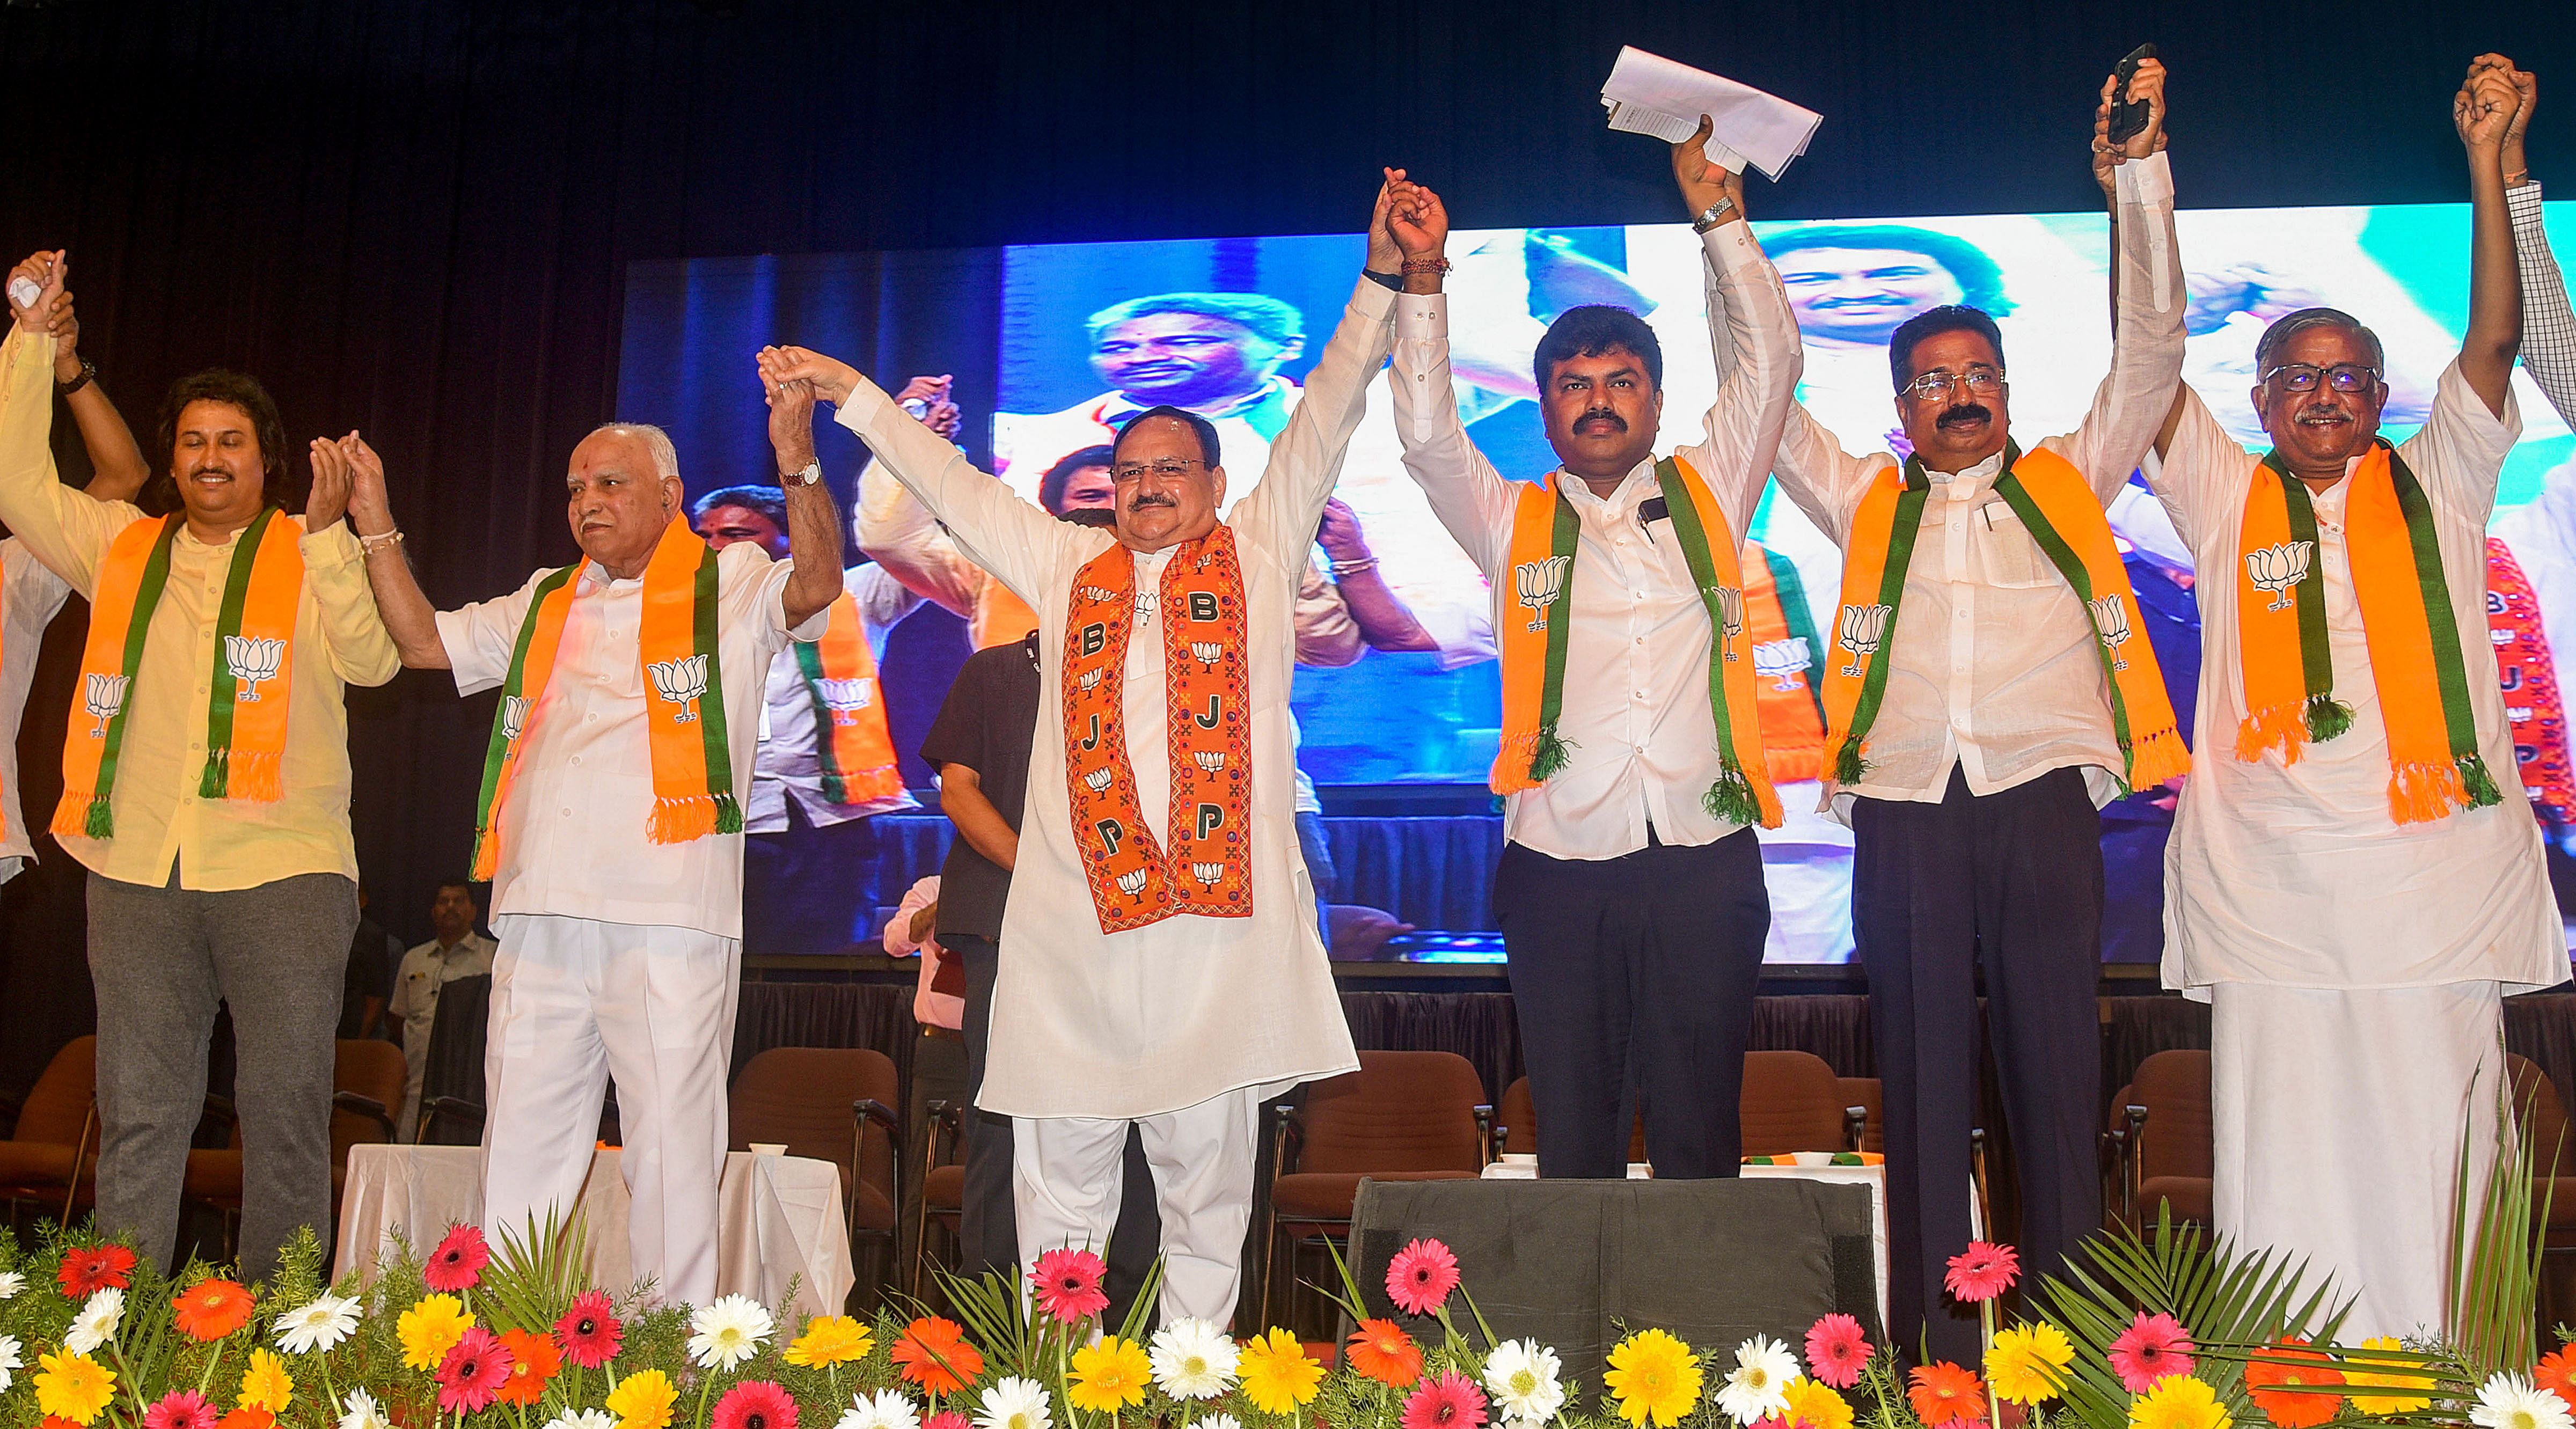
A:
(160, 959)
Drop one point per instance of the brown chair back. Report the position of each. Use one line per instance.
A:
(1518, 1118)
(2173, 1085)
(57, 1106)
(374, 1070)
(801, 1096)
(1401, 1111)
(1791, 1102)
(2542, 1118)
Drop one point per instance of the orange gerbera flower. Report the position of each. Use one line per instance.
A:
(2275, 1387)
(934, 1354)
(1946, 1394)
(1385, 1353)
(211, 1309)
(534, 1361)
(2556, 1373)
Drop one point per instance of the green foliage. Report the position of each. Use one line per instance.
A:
(534, 1276)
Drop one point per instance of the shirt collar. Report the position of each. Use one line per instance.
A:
(1633, 488)
(1970, 479)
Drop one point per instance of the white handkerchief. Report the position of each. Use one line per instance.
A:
(24, 292)
(1648, 94)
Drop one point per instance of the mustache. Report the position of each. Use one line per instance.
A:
(1602, 414)
(1962, 416)
(1151, 498)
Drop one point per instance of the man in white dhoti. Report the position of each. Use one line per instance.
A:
(1164, 967)
(2353, 878)
(611, 822)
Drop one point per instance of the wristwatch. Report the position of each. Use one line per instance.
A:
(87, 373)
(1713, 215)
(812, 474)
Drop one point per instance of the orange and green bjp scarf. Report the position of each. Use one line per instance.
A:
(2060, 510)
(253, 668)
(1208, 702)
(840, 673)
(1544, 532)
(1788, 665)
(2416, 662)
(684, 716)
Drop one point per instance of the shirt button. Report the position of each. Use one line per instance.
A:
(567, 813)
(590, 719)
(576, 759)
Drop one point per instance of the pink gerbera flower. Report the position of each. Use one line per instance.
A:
(1982, 1272)
(1448, 1400)
(471, 1376)
(1836, 1351)
(458, 1262)
(588, 1332)
(180, 1409)
(948, 1419)
(1068, 1285)
(755, 1404)
(1420, 1277)
(2154, 1347)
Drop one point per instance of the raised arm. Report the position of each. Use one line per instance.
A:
(813, 520)
(2548, 325)
(2135, 402)
(353, 631)
(65, 530)
(896, 531)
(1752, 335)
(2482, 111)
(117, 469)
(1471, 499)
(408, 617)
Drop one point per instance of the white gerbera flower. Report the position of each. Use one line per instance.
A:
(9, 1361)
(1015, 1403)
(1522, 1377)
(95, 1325)
(1193, 1360)
(11, 1282)
(1757, 1387)
(1219, 1421)
(885, 1409)
(360, 1409)
(2508, 1401)
(580, 1419)
(320, 1325)
(726, 1333)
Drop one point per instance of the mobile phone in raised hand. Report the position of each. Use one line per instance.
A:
(2128, 116)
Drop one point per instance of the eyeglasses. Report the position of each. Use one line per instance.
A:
(2342, 377)
(1933, 386)
(1170, 468)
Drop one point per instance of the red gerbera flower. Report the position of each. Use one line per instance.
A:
(755, 1404)
(1385, 1353)
(471, 1376)
(589, 1334)
(180, 1409)
(533, 1363)
(1448, 1400)
(2154, 1347)
(247, 1417)
(458, 1262)
(92, 1269)
(1982, 1272)
(1420, 1276)
(933, 1353)
(211, 1309)
(2556, 1373)
(1946, 1394)
(1836, 1351)
(1068, 1285)
(2273, 1386)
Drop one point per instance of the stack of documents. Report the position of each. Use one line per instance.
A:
(1648, 94)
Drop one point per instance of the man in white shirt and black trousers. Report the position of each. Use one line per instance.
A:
(1989, 687)
(1630, 892)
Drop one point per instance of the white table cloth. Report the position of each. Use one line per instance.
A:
(780, 1219)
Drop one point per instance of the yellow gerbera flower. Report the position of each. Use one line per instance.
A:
(265, 1385)
(1276, 1375)
(1655, 1378)
(2404, 1376)
(73, 1387)
(643, 1400)
(431, 1328)
(1112, 1375)
(830, 1340)
(2178, 1402)
(2028, 1363)
(1816, 1406)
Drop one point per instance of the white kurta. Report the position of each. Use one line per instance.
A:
(1155, 1019)
(2352, 963)
(29, 597)
(789, 764)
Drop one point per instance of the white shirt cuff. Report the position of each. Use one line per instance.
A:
(866, 400)
(1730, 246)
(1422, 317)
(2143, 181)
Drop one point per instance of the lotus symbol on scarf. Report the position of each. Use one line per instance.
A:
(1210, 760)
(254, 658)
(1207, 652)
(103, 696)
(1538, 583)
(1090, 679)
(514, 715)
(1781, 660)
(1859, 629)
(2278, 569)
(683, 682)
(2111, 619)
(1730, 614)
(1095, 593)
(1132, 882)
(1098, 779)
(1208, 873)
(847, 696)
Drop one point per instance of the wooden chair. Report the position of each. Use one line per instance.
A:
(51, 1158)
(367, 1081)
(1791, 1101)
(2159, 1141)
(943, 1189)
(833, 1104)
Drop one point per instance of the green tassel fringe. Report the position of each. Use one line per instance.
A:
(2327, 717)
(728, 814)
(1730, 799)
(2479, 783)
(1848, 765)
(101, 820)
(1554, 752)
(218, 775)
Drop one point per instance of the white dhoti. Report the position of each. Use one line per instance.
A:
(2339, 1118)
(1065, 1189)
(574, 1003)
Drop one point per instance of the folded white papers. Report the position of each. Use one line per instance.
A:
(1648, 94)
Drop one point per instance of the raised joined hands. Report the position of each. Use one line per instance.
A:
(2148, 87)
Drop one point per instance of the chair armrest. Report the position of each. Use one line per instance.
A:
(1290, 1126)
(222, 1109)
(870, 1109)
(435, 1107)
(363, 1105)
(1487, 1148)
(1855, 1128)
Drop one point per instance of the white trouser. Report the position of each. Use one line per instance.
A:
(574, 1003)
(2337, 1118)
(1066, 1176)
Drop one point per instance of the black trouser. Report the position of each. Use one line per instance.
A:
(809, 888)
(1635, 975)
(988, 1229)
(2011, 882)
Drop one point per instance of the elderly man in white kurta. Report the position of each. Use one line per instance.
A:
(1164, 972)
(611, 827)
(2354, 875)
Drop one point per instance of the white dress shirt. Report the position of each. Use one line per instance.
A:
(29, 597)
(573, 829)
(1164, 1017)
(789, 766)
(1635, 714)
(1995, 670)
(2297, 875)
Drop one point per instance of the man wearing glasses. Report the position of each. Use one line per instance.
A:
(1988, 687)
(2355, 874)
(1164, 968)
